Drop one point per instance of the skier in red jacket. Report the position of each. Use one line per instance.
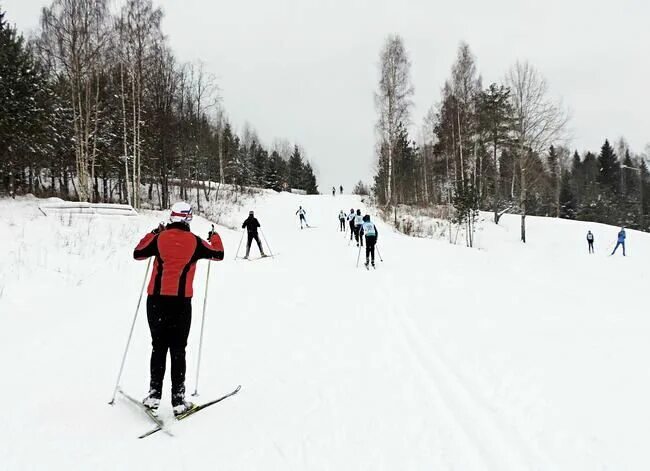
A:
(169, 302)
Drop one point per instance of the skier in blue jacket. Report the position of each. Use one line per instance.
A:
(620, 241)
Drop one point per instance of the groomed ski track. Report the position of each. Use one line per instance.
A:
(443, 358)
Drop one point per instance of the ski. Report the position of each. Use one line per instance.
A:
(159, 423)
(256, 258)
(192, 411)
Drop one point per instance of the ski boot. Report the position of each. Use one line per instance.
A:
(152, 401)
(366, 264)
(179, 405)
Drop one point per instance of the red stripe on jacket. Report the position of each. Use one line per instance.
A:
(176, 251)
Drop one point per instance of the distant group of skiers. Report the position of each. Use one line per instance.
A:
(360, 226)
(176, 250)
(334, 190)
(620, 241)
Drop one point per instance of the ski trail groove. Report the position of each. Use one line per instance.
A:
(461, 430)
(508, 447)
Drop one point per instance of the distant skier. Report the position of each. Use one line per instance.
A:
(341, 188)
(251, 224)
(342, 218)
(620, 241)
(590, 241)
(351, 223)
(301, 212)
(358, 228)
(333, 191)
(169, 303)
(370, 230)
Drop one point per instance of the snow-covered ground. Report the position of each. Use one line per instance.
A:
(507, 358)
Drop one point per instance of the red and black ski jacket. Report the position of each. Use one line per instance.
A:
(176, 251)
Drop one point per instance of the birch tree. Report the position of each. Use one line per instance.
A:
(139, 28)
(538, 122)
(73, 39)
(393, 103)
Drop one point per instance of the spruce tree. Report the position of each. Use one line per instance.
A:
(609, 168)
(295, 169)
(260, 163)
(554, 182)
(23, 101)
(275, 172)
(309, 180)
(568, 203)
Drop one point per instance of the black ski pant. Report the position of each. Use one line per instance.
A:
(342, 221)
(351, 229)
(169, 319)
(371, 241)
(358, 235)
(591, 246)
(302, 219)
(253, 236)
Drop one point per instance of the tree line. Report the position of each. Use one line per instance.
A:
(96, 107)
(500, 148)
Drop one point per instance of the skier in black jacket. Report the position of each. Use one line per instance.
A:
(251, 224)
(590, 242)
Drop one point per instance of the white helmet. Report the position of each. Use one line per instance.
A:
(181, 212)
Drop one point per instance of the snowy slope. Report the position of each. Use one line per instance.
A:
(507, 358)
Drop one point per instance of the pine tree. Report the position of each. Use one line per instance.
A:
(495, 122)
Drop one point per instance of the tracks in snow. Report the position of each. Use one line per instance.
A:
(480, 439)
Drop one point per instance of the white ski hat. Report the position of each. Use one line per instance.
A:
(181, 212)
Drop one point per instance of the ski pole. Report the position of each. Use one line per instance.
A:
(379, 253)
(128, 341)
(205, 303)
(358, 256)
(240, 241)
(266, 242)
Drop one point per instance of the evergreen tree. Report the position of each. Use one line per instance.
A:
(609, 168)
(23, 99)
(568, 202)
(231, 157)
(629, 177)
(275, 172)
(309, 180)
(296, 170)
(554, 182)
(260, 163)
(495, 122)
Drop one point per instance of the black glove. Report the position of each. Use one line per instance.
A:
(159, 229)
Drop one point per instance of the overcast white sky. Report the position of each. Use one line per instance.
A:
(306, 70)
